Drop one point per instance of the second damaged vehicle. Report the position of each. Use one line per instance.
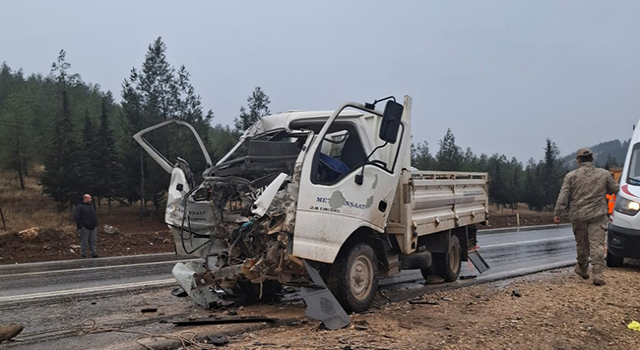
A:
(308, 198)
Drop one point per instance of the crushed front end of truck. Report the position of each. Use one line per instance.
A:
(239, 219)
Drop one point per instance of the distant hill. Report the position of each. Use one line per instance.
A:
(615, 149)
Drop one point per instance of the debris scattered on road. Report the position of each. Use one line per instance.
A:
(634, 325)
(322, 304)
(432, 279)
(110, 230)
(223, 320)
(217, 341)
(232, 312)
(74, 246)
(179, 292)
(446, 299)
(423, 302)
(93, 303)
(361, 325)
(72, 251)
(263, 344)
(468, 277)
(149, 309)
(292, 324)
(515, 293)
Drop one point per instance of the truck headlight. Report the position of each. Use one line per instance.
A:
(626, 206)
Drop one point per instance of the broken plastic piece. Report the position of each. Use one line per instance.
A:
(321, 304)
(179, 292)
(634, 325)
(264, 201)
(184, 274)
(149, 309)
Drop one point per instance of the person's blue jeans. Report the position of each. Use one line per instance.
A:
(88, 239)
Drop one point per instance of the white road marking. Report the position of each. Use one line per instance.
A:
(59, 293)
(94, 268)
(535, 241)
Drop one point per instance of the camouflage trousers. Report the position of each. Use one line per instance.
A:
(590, 240)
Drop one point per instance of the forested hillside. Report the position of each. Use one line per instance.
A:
(606, 154)
(82, 136)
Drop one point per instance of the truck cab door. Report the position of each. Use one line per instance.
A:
(182, 179)
(340, 192)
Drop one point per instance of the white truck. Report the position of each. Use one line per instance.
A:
(330, 192)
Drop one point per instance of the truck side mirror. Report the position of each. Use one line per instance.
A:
(391, 119)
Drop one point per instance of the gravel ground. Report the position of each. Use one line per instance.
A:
(556, 310)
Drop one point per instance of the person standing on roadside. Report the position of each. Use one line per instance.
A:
(585, 190)
(87, 223)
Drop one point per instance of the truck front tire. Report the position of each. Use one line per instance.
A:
(353, 277)
(448, 265)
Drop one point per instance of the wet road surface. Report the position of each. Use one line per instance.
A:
(506, 253)
(53, 299)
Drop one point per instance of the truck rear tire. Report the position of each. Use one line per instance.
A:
(448, 265)
(353, 277)
(614, 261)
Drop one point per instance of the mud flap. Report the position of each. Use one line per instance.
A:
(321, 304)
(184, 274)
(478, 261)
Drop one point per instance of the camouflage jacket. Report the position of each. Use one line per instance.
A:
(584, 190)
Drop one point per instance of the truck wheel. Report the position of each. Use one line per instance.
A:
(353, 277)
(252, 290)
(447, 265)
(614, 261)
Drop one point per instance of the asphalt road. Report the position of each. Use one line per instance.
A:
(506, 253)
(54, 299)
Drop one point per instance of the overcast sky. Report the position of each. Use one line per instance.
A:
(503, 75)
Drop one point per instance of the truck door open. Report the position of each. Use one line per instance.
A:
(182, 183)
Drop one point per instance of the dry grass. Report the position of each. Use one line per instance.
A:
(30, 208)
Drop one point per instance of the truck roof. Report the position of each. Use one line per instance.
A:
(283, 120)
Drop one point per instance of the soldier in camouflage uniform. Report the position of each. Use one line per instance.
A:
(585, 188)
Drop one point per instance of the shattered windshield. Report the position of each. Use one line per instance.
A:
(259, 156)
(634, 166)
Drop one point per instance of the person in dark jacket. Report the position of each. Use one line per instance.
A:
(87, 223)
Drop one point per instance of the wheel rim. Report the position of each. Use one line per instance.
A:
(361, 278)
(454, 258)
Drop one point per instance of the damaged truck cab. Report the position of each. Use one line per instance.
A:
(329, 191)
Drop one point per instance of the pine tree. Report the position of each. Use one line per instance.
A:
(258, 105)
(449, 156)
(58, 180)
(552, 179)
(155, 93)
(108, 166)
(87, 162)
(420, 156)
(13, 140)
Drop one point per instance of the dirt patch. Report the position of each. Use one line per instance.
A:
(504, 218)
(57, 244)
(555, 311)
